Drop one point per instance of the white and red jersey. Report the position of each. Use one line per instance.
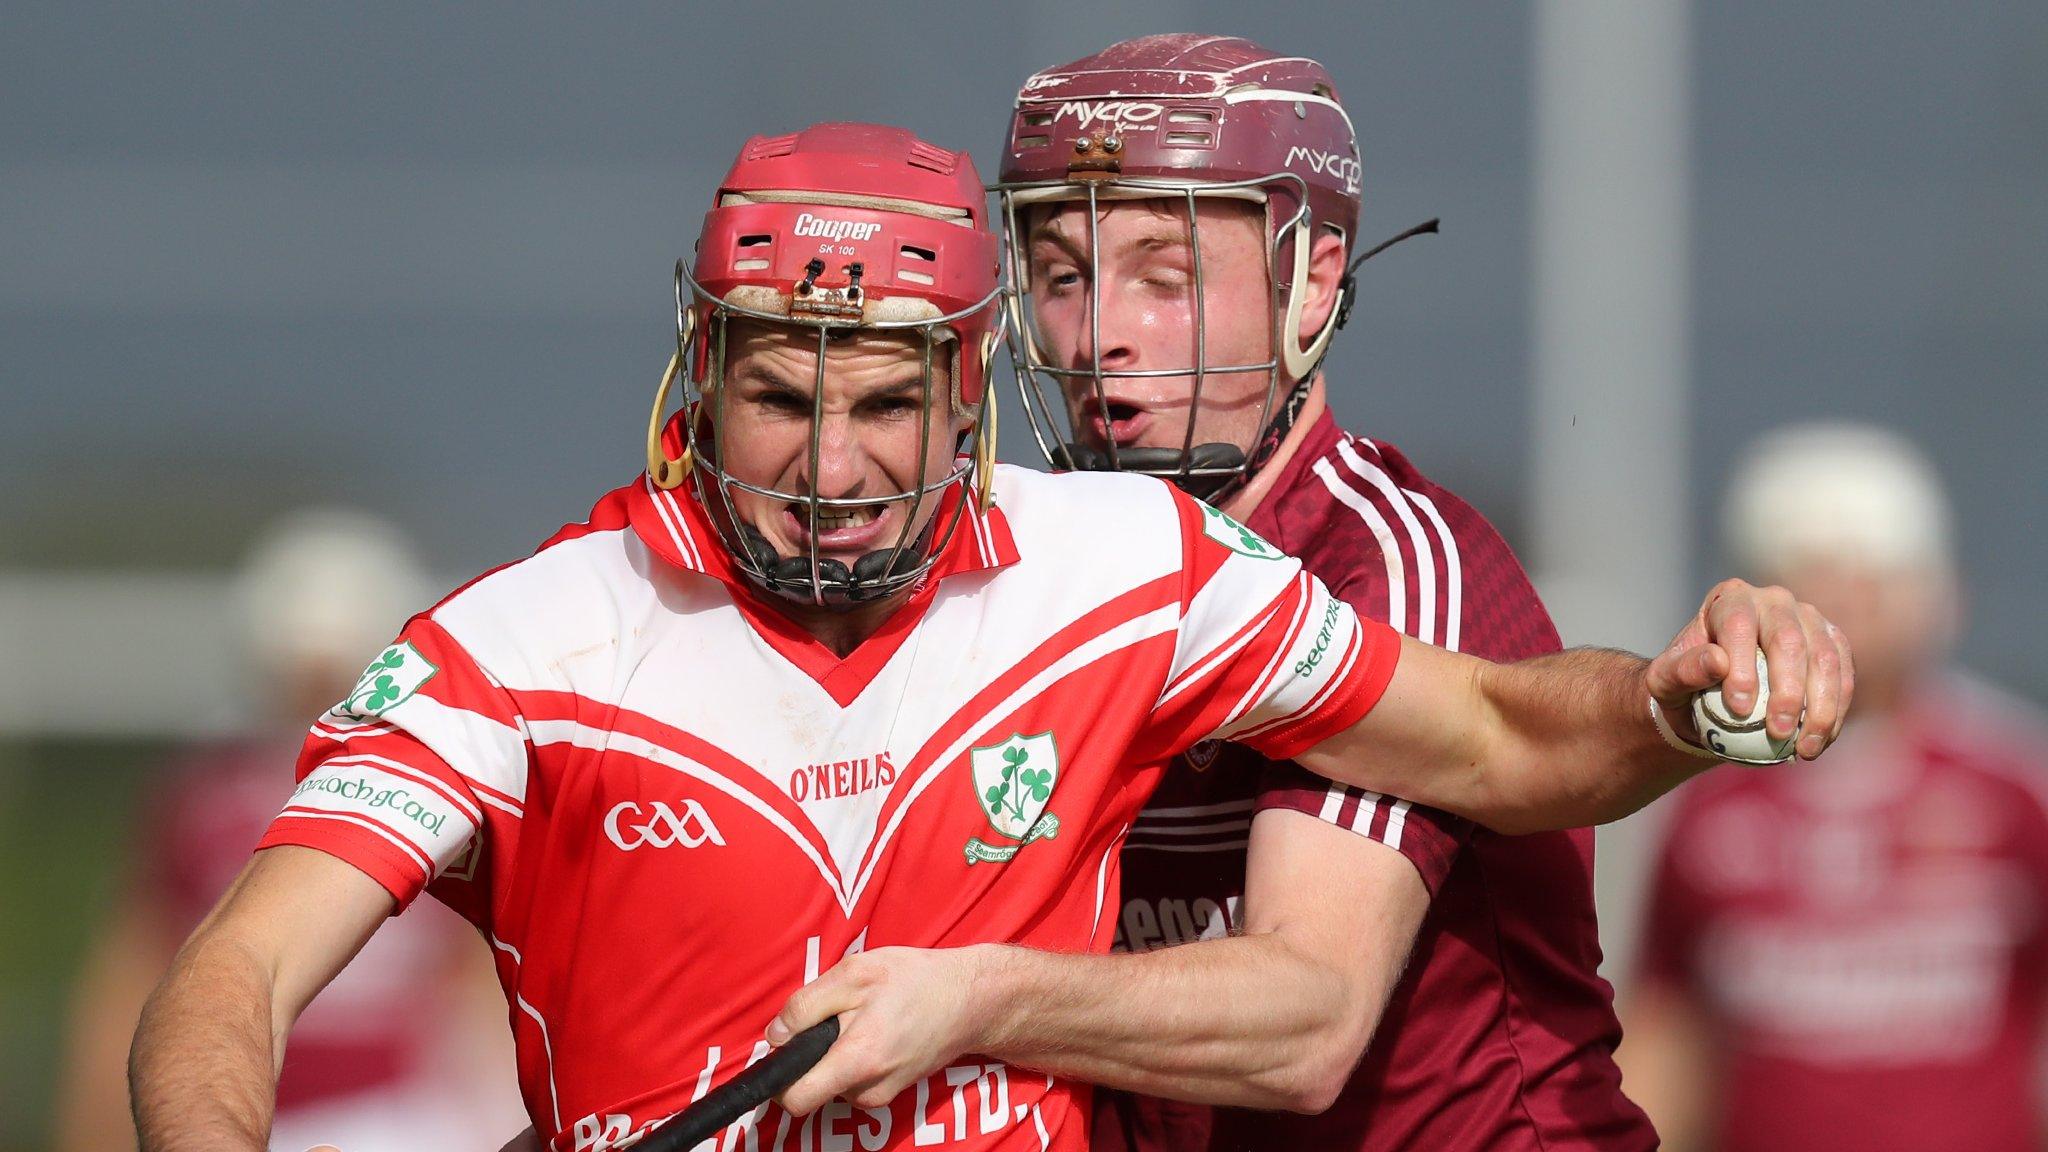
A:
(668, 806)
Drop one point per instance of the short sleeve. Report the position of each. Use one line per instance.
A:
(407, 777)
(1427, 838)
(1264, 654)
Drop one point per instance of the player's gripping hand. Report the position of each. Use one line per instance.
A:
(1810, 667)
(903, 1013)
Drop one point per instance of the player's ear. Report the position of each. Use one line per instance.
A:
(1325, 273)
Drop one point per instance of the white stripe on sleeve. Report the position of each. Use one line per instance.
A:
(1454, 578)
(1397, 581)
(1425, 552)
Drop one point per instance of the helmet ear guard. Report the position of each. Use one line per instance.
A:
(1299, 362)
(985, 428)
(665, 471)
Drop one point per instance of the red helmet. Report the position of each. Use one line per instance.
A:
(835, 228)
(1178, 116)
(911, 217)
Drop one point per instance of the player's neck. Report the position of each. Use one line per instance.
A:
(844, 630)
(1247, 499)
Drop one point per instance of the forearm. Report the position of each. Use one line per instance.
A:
(1567, 740)
(203, 1069)
(1247, 1020)
(1274, 1018)
(1570, 743)
(1559, 741)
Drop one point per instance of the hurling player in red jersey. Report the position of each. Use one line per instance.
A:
(827, 682)
(1854, 954)
(1462, 963)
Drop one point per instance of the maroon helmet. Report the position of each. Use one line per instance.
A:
(836, 228)
(1181, 117)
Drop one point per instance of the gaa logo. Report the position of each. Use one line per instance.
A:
(628, 827)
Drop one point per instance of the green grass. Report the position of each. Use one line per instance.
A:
(66, 810)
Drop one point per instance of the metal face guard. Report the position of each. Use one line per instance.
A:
(811, 578)
(1208, 470)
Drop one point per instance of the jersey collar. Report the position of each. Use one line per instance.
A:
(675, 527)
(673, 523)
(1299, 471)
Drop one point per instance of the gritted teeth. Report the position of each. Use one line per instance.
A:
(832, 519)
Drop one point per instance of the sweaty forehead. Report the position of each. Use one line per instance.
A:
(789, 354)
(1162, 217)
(749, 339)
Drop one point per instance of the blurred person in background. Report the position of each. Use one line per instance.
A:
(1851, 954)
(407, 1049)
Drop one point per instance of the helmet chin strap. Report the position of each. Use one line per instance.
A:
(1301, 362)
(1226, 466)
(1159, 462)
(843, 588)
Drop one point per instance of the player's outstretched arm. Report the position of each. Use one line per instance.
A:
(203, 1069)
(1274, 1018)
(1566, 741)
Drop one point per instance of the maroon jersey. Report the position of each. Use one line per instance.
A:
(1500, 1033)
(1866, 935)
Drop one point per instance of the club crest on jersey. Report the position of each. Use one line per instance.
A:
(1236, 537)
(389, 681)
(1013, 781)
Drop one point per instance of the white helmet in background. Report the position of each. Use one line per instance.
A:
(1837, 493)
(322, 590)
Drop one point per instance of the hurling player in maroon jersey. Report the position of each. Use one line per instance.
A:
(1461, 963)
(1854, 954)
(598, 753)
(1499, 1033)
